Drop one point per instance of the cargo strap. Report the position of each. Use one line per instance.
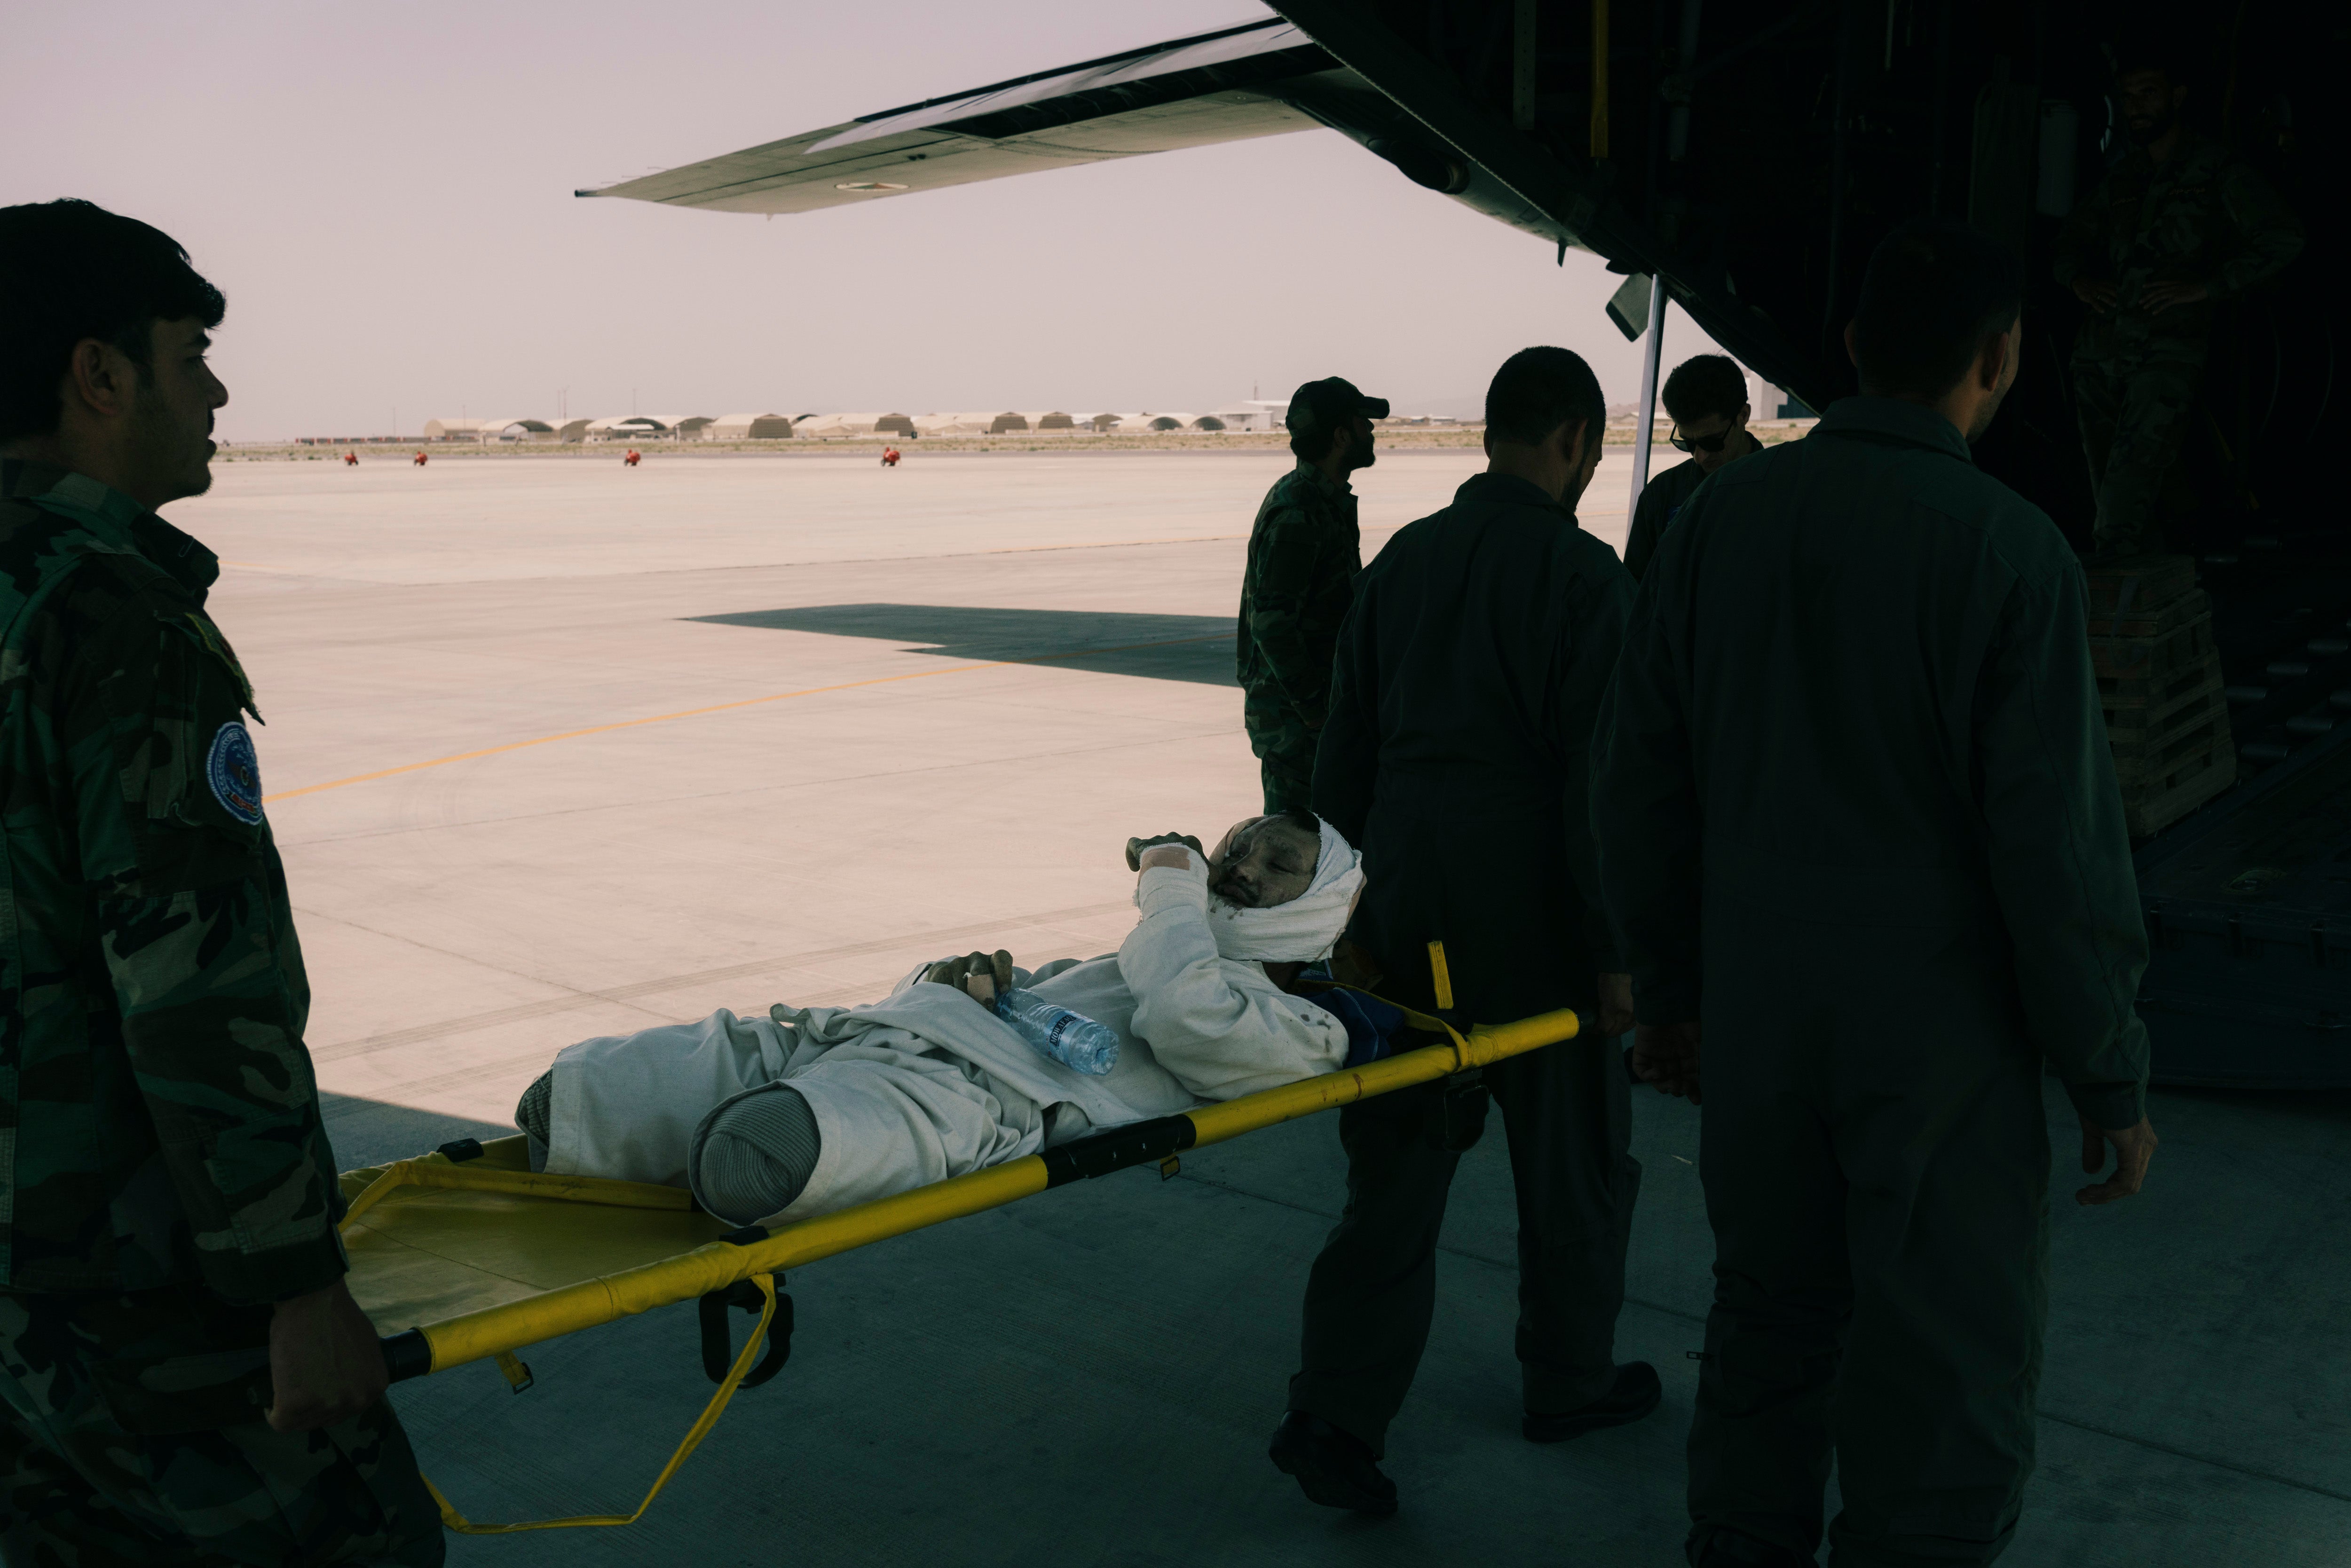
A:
(765, 1285)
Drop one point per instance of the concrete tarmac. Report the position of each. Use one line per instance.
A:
(564, 749)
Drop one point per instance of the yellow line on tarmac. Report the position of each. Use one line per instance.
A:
(723, 707)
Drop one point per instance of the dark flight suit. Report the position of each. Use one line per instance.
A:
(1662, 499)
(1304, 551)
(1465, 685)
(1855, 805)
(2203, 217)
(167, 1177)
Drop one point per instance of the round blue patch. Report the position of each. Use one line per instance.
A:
(235, 773)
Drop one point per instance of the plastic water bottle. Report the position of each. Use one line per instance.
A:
(1072, 1038)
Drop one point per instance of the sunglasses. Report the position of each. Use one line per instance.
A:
(1710, 445)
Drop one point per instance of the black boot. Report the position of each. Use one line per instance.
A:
(1635, 1393)
(1333, 1468)
(1729, 1549)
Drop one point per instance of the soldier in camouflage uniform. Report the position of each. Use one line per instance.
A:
(2177, 225)
(186, 1377)
(1303, 554)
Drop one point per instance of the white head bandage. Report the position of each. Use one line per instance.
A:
(1308, 926)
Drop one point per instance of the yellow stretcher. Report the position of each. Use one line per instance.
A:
(483, 1257)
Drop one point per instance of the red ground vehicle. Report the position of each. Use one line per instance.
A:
(889, 457)
(634, 459)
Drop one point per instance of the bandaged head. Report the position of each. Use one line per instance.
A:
(1306, 927)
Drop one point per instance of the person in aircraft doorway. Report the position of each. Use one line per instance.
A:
(1706, 399)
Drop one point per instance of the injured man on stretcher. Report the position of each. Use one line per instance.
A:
(809, 1110)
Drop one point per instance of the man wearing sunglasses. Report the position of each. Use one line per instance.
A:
(1706, 397)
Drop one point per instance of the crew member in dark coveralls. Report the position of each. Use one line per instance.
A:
(1468, 679)
(1707, 398)
(1855, 808)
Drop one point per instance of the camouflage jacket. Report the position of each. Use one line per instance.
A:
(1303, 557)
(159, 1124)
(2203, 218)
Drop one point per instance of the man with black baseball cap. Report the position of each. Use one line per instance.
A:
(1303, 554)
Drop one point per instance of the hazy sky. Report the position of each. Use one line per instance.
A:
(385, 194)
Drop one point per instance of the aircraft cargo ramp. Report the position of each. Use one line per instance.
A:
(2248, 901)
(1087, 1379)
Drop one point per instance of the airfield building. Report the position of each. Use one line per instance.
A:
(506, 429)
(865, 423)
(977, 422)
(750, 427)
(647, 428)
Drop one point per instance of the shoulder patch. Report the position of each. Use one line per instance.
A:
(218, 646)
(235, 773)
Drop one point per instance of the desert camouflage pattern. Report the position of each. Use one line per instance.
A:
(2133, 413)
(2203, 218)
(159, 1122)
(1304, 554)
(136, 1439)
(1285, 751)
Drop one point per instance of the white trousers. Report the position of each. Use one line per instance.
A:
(889, 1119)
(893, 1112)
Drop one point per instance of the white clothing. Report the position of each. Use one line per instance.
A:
(928, 1083)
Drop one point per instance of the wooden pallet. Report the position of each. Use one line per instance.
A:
(2157, 759)
(2138, 583)
(2154, 810)
(2160, 683)
(2184, 650)
(2174, 708)
(2139, 621)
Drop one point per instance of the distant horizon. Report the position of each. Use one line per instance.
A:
(1404, 410)
(390, 213)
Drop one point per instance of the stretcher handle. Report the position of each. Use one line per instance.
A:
(717, 1353)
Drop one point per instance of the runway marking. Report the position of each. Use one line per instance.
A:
(323, 575)
(724, 707)
(573, 1000)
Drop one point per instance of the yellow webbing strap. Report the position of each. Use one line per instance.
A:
(710, 1414)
